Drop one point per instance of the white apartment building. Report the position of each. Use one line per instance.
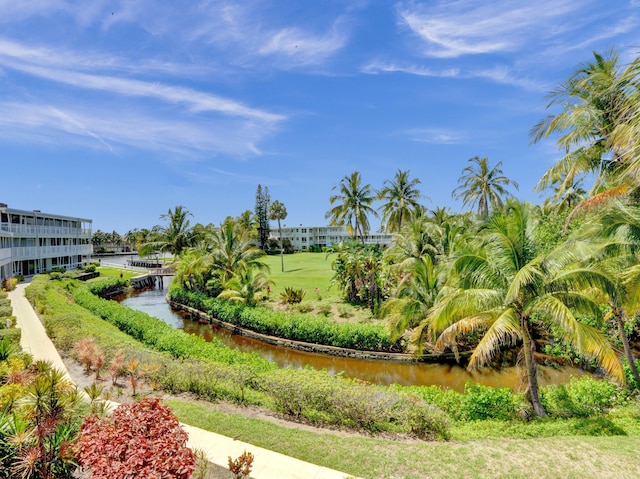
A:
(32, 242)
(305, 237)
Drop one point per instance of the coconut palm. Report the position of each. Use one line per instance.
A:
(277, 211)
(172, 238)
(483, 186)
(353, 206)
(597, 102)
(505, 291)
(619, 224)
(400, 198)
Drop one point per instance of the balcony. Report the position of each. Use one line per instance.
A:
(45, 231)
(5, 255)
(34, 252)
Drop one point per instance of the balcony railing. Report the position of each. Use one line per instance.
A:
(34, 252)
(44, 231)
(5, 254)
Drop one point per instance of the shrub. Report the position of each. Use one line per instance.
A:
(3, 294)
(292, 296)
(10, 284)
(142, 439)
(344, 311)
(324, 310)
(6, 310)
(484, 402)
(581, 397)
(89, 355)
(13, 334)
(296, 327)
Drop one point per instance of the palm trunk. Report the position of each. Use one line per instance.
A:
(281, 246)
(529, 348)
(625, 343)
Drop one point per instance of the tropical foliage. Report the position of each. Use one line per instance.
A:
(483, 186)
(353, 205)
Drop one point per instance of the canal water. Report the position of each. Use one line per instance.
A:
(153, 302)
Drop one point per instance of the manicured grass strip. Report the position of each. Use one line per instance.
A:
(112, 272)
(542, 458)
(306, 271)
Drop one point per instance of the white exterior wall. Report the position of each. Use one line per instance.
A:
(303, 237)
(35, 242)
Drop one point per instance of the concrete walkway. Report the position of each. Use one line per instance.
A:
(266, 465)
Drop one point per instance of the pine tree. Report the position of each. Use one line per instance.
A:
(262, 213)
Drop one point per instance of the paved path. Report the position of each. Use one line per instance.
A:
(266, 465)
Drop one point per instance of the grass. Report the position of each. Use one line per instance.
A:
(113, 272)
(305, 271)
(561, 455)
(312, 273)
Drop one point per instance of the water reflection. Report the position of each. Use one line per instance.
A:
(153, 302)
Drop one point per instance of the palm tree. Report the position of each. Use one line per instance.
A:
(413, 298)
(598, 101)
(504, 290)
(247, 286)
(232, 250)
(277, 211)
(619, 225)
(354, 204)
(401, 200)
(172, 238)
(482, 186)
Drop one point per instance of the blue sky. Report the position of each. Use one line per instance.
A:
(119, 110)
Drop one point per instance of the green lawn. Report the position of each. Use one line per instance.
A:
(560, 456)
(113, 272)
(312, 273)
(305, 271)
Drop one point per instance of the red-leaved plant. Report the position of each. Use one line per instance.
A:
(142, 439)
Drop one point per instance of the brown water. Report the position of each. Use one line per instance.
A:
(152, 301)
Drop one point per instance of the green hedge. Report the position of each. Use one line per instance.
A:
(159, 335)
(296, 327)
(326, 399)
(108, 286)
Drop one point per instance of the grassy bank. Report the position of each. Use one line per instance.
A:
(562, 454)
(599, 445)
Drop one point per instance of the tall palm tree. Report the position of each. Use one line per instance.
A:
(482, 186)
(597, 101)
(504, 290)
(277, 211)
(400, 198)
(354, 202)
(172, 238)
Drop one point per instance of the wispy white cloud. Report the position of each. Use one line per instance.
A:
(240, 29)
(297, 47)
(502, 74)
(107, 128)
(464, 27)
(388, 67)
(439, 136)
